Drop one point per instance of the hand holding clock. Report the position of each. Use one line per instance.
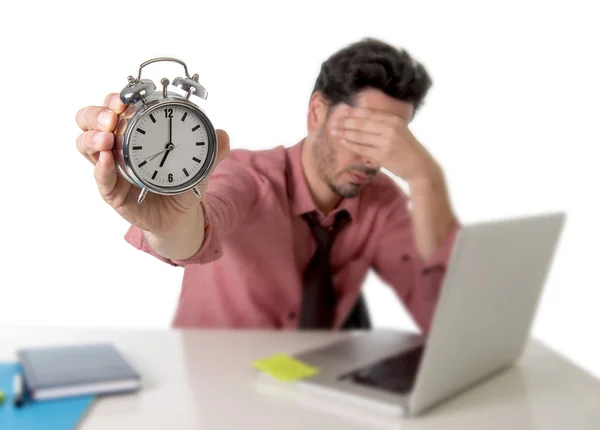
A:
(160, 214)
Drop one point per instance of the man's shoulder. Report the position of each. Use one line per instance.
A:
(261, 160)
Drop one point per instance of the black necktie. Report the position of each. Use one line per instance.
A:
(318, 298)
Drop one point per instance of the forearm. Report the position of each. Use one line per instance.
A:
(184, 242)
(432, 214)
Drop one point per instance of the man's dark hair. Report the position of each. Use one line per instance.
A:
(372, 63)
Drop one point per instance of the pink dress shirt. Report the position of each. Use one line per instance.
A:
(248, 272)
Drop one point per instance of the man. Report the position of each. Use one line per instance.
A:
(283, 238)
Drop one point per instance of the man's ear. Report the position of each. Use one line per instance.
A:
(317, 111)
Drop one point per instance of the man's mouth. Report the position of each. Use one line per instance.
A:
(357, 177)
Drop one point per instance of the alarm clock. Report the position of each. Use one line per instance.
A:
(164, 143)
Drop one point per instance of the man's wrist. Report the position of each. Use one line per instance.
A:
(427, 181)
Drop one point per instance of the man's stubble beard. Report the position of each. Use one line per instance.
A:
(326, 160)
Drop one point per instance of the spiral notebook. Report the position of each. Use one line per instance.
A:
(75, 370)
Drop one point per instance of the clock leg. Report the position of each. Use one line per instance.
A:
(197, 193)
(142, 195)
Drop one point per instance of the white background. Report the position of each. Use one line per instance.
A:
(513, 119)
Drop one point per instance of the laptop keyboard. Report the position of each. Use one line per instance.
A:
(396, 373)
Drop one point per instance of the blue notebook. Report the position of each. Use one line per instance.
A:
(58, 371)
(59, 414)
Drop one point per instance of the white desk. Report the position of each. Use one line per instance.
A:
(204, 380)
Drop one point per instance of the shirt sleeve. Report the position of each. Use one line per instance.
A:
(397, 261)
(233, 191)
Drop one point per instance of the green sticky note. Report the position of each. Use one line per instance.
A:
(285, 368)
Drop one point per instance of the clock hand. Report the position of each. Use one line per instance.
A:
(152, 157)
(162, 162)
(170, 146)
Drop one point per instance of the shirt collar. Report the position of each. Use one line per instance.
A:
(301, 200)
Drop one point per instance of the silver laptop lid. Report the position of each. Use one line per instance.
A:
(485, 310)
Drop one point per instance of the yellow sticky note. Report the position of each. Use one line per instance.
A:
(285, 368)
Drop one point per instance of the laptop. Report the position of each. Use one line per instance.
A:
(483, 317)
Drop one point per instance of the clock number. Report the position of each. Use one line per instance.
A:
(169, 113)
(170, 177)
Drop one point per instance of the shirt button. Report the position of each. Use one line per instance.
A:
(292, 315)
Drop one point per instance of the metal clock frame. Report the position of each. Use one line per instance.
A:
(127, 168)
(145, 101)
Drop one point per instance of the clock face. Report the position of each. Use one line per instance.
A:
(169, 146)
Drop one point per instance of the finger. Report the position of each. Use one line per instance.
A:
(114, 103)
(360, 137)
(365, 151)
(223, 140)
(96, 118)
(90, 143)
(373, 114)
(222, 152)
(367, 125)
(105, 173)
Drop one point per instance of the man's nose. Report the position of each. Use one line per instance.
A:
(369, 162)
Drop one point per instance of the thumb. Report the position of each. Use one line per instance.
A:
(222, 152)
(223, 140)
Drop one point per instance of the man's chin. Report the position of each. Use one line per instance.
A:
(348, 190)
